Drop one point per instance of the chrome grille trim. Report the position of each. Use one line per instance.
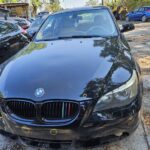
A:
(22, 109)
(61, 110)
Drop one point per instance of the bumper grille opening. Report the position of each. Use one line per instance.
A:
(59, 110)
(22, 109)
(47, 111)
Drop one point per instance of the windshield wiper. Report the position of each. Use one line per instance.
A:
(78, 36)
(71, 37)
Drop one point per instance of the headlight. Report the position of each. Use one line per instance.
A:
(119, 97)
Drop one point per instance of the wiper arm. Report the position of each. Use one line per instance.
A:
(78, 36)
(70, 37)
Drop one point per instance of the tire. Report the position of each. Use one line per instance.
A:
(127, 19)
(144, 19)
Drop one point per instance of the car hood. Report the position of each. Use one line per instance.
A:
(73, 69)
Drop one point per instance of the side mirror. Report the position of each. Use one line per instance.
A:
(127, 27)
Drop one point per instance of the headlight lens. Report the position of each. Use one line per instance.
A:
(119, 97)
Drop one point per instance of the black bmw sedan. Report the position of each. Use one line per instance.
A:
(76, 80)
(12, 39)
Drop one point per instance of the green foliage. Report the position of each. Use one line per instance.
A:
(10, 1)
(31, 48)
(2, 1)
(129, 4)
(54, 6)
(14, 1)
(92, 3)
(132, 4)
(35, 5)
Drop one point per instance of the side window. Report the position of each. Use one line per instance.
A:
(147, 9)
(141, 9)
(135, 10)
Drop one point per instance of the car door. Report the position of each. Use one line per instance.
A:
(133, 14)
(140, 13)
(22, 39)
(17, 40)
(12, 41)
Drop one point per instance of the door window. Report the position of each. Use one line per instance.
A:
(141, 9)
(147, 9)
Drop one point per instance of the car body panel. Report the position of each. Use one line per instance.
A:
(139, 13)
(79, 70)
(12, 42)
(96, 58)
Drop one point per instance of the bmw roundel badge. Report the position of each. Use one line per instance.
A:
(39, 92)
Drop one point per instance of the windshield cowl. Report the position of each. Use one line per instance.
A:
(72, 37)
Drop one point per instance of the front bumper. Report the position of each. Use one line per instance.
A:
(124, 121)
(105, 133)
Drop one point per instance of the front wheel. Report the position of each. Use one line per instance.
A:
(144, 19)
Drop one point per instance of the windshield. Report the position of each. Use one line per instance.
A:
(37, 23)
(85, 23)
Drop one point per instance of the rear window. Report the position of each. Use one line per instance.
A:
(6, 28)
(147, 9)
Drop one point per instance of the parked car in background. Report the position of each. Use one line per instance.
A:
(11, 39)
(31, 20)
(36, 25)
(76, 81)
(42, 13)
(24, 23)
(140, 14)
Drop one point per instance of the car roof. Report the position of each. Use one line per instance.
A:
(17, 18)
(14, 18)
(146, 6)
(42, 16)
(9, 21)
(80, 9)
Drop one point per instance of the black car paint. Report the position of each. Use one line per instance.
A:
(108, 67)
(80, 70)
(11, 42)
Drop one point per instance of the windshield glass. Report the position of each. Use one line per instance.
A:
(85, 23)
(37, 23)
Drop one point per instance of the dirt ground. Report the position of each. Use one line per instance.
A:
(139, 40)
